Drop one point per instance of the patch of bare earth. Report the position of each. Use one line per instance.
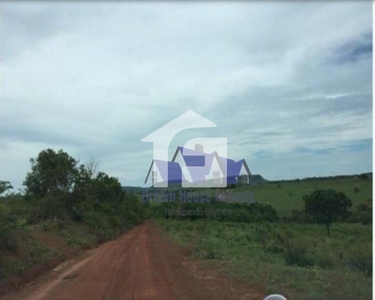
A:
(141, 264)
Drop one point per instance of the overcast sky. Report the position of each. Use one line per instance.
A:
(289, 84)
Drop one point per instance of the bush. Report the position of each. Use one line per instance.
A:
(296, 253)
(323, 259)
(7, 241)
(100, 224)
(50, 207)
(299, 216)
(262, 234)
(360, 257)
(363, 213)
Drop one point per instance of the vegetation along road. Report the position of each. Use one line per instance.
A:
(76, 233)
(141, 264)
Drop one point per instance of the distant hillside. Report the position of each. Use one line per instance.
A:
(254, 179)
(257, 179)
(132, 189)
(363, 176)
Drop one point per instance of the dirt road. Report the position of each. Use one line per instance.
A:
(141, 264)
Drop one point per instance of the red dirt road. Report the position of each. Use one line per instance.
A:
(141, 264)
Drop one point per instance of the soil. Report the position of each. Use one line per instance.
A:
(144, 263)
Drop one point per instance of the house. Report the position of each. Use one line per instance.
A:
(195, 167)
(159, 173)
(162, 137)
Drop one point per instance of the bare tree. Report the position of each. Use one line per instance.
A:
(92, 166)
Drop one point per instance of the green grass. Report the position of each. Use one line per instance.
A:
(22, 251)
(299, 261)
(289, 195)
(26, 254)
(286, 196)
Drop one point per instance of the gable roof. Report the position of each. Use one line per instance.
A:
(195, 158)
(234, 168)
(174, 171)
(199, 166)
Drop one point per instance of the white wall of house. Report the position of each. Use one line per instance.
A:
(157, 179)
(244, 176)
(216, 174)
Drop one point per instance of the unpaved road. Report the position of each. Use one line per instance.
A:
(141, 264)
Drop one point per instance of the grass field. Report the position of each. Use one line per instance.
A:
(299, 261)
(286, 196)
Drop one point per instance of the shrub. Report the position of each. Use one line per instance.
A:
(262, 234)
(363, 213)
(300, 216)
(50, 207)
(296, 253)
(323, 259)
(360, 257)
(7, 241)
(274, 246)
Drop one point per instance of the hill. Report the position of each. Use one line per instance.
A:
(257, 179)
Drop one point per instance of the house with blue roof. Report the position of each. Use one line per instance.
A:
(195, 166)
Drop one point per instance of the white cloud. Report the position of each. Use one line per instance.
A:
(94, 79)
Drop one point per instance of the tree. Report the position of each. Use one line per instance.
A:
(92, 166)
(105, 190)
(52, 173)
(4, 186)
(326, 206)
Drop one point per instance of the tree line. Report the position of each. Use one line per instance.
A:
(59, 187)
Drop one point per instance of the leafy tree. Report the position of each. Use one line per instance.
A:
(4, 186)
(52, 173)
(105, 190)
(60, 188)
(326, 206)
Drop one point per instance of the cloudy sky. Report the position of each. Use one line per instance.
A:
(289, 84)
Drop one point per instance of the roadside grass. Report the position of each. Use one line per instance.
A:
(49, 241)
(36, 234)
(26, 254)
(76, 235)
(297, 260)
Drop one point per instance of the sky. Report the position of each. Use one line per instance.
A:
(289, 84)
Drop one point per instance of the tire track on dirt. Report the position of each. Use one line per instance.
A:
(141, 264)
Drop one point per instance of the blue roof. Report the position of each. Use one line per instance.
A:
(198, 163)
(233, 167)
(195, 158)
(199, 166)
(174, 171)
